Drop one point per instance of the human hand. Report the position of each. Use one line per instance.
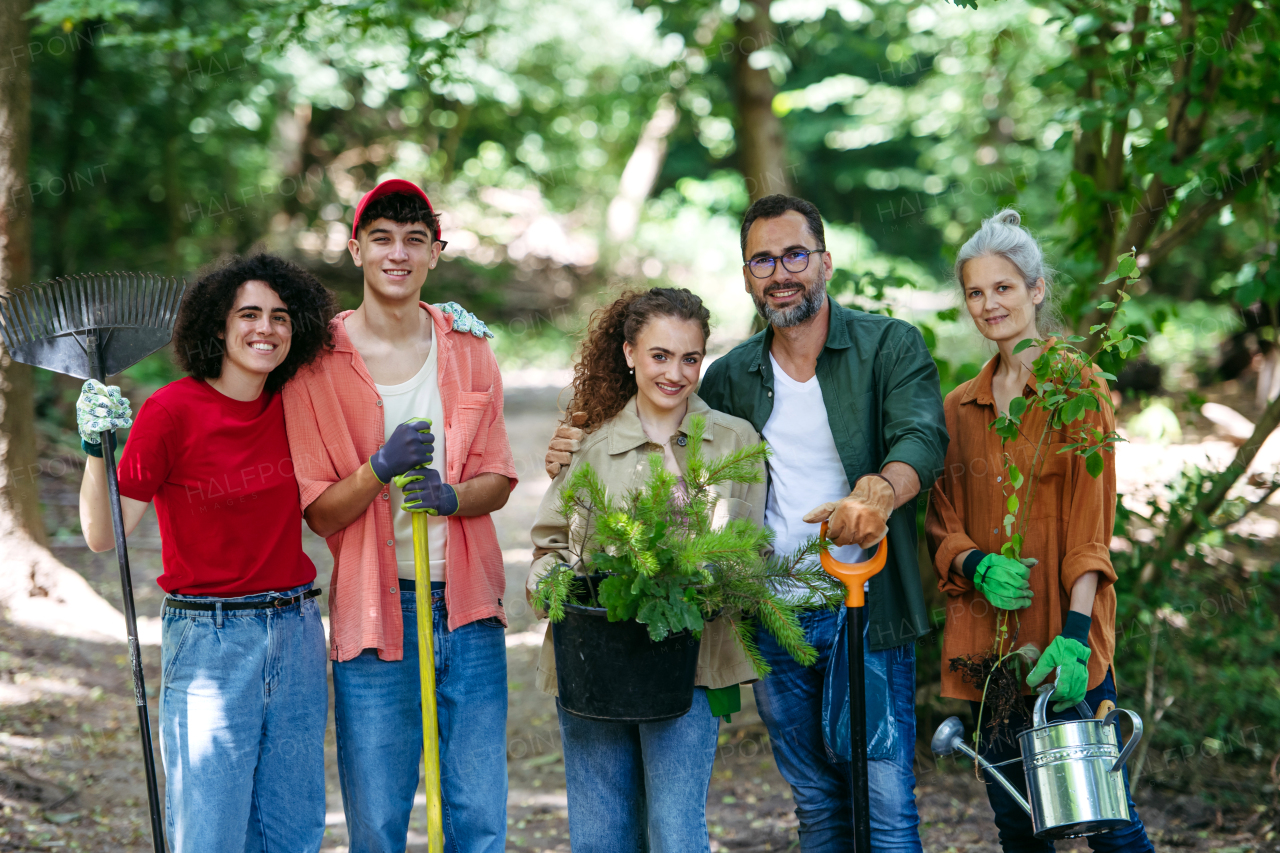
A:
(411, 445)
(425, 491)
(464, 320)
(566, 442)
(1004, 581)
(1073, 677)
(862, 518)
(100, 408)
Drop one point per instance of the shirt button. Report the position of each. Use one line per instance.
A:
(996, 530)
(682, 441)
(385, 496)
(379, 403)
(998, 479)
(770, 393)
(393, 590)
(390, 542)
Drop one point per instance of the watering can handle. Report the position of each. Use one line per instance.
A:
(854, 575)
(1132, 743)
(1040, 716)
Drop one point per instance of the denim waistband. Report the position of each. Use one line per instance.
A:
(258, 596)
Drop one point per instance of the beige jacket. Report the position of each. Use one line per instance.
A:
(619, 452)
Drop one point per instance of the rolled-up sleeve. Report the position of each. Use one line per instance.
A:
(312, 465)
(944, 531)
(914, 428)
(1092, 513)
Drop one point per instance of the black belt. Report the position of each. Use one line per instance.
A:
(407, 585)
(180, 604)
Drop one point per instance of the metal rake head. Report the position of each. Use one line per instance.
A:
(51, 324)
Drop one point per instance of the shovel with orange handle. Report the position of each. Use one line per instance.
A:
(853, 576)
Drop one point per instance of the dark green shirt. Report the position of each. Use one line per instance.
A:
(880, 388)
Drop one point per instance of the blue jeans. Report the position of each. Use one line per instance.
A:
(1016, 835)
(243, 701)
(639, 788)
(790, 703)
(378, 714)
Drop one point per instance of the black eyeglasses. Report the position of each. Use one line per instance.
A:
(794, 261)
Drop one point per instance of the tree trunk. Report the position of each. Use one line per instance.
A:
(762, 144)
(643, 167)
(35, 588)
(19, 500)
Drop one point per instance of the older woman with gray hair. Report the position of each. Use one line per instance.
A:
(1062, 593)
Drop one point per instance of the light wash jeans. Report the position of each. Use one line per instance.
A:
(639, 788)
(378, 712)
(243, 702)
(790, 703)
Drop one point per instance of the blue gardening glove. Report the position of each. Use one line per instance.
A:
(464, 320)
(410, 445)
(1003, 580)
(100, 409)
(424, 491)
(1069, 650)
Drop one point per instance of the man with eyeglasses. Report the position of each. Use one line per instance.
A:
(842, 397)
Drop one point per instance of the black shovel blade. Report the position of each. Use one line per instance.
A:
(122, 349)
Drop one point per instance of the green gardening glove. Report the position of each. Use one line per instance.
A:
(1069, 650)
(1003, 580)
(100, 409)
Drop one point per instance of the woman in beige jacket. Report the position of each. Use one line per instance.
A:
(636, 787)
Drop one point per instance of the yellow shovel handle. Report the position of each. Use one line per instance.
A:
(427, 671)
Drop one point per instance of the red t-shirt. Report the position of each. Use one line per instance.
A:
(222, 479)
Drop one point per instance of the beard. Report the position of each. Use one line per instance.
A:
(815, 294)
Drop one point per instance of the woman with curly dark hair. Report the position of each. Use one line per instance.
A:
(244, 691)
(635, 378)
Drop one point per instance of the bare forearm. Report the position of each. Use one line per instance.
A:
(343, 502)
(1083, 592)
(95, 508)
(483, 494)
(905, 482)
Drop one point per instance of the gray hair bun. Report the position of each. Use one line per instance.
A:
(1008, 216)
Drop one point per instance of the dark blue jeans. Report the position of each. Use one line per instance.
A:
(1016, 835)
(790, 703)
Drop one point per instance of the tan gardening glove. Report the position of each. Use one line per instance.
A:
(862, 518)
(566, 442)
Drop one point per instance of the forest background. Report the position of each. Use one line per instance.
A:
(576, 147)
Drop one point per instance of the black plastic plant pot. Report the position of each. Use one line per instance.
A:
(613, 672)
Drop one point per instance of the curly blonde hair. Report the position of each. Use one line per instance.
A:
(602, 382)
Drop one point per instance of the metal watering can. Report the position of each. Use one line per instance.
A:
(1074, 769)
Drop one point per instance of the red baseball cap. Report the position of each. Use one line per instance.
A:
(395, 185)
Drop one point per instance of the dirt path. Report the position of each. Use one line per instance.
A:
(71, 777)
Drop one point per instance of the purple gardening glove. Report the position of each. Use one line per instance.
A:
(410, 445)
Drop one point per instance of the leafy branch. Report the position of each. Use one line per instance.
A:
(661, 560)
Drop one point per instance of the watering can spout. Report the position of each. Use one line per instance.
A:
(949, 738)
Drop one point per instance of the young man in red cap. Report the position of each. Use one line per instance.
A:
(349, 432)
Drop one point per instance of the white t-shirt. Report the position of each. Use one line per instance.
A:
(804, 466)
(420, 398)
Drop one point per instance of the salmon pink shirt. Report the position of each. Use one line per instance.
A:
(334, 418)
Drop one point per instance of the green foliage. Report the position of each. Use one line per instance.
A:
(1198, 633)
(665, 565)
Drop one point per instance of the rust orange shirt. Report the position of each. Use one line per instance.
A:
(334, 418)
(1069, 532)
